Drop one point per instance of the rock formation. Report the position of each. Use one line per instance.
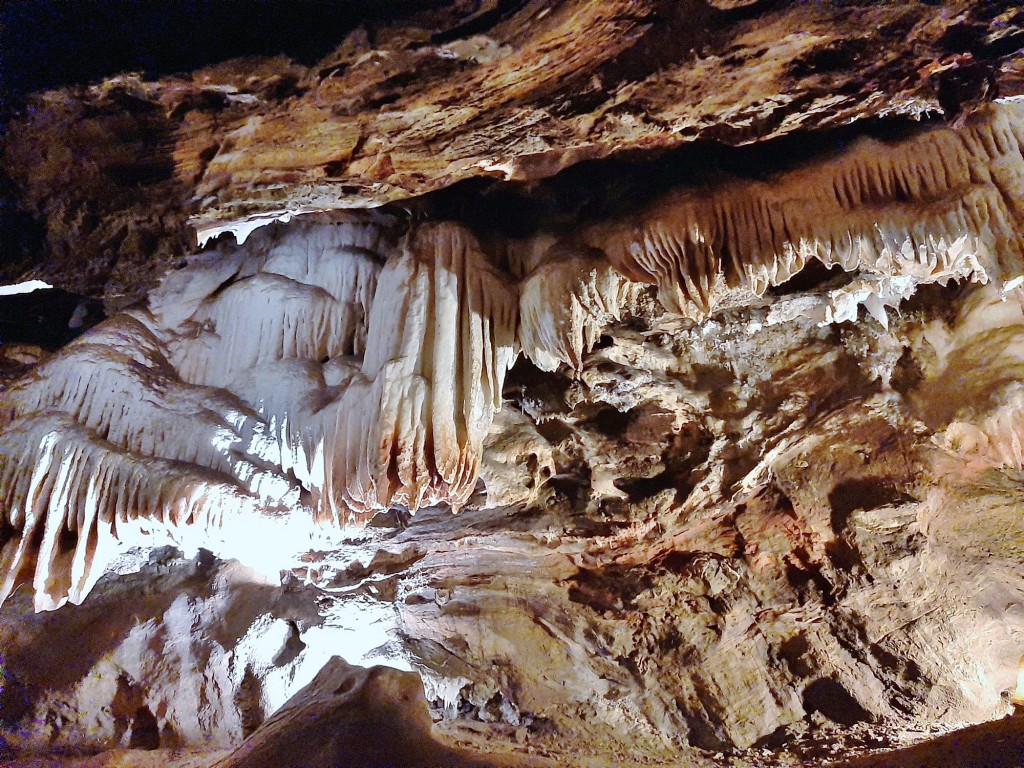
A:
(485, 362)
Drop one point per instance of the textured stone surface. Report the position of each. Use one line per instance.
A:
(340, 719)
(733, 434)
(479, 90)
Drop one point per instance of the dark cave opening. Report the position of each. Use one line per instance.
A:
(47, 43)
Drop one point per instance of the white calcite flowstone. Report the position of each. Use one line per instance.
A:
(310, 379)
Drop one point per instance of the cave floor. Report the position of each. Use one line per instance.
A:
(996, 744)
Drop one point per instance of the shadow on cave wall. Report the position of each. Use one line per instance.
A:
(49, 43)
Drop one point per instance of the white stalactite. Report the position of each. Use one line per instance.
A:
(564, 306)
(70, 500)
(116, 383)
(410, 426)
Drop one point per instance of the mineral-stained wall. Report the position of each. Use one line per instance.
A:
(633, 455)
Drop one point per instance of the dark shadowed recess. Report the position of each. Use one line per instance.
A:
(48, 318)
(596, 189)
(48, 43)
(21, 238)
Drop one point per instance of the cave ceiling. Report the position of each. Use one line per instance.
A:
(512, 91)
(638, 381)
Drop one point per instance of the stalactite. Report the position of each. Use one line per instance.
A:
(71, 499)
(326, 360)
(410, 426)
(292, 408)
(564, 306)
(942, 205)
(117, 383)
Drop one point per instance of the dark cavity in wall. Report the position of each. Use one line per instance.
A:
(829, 698)
(49, 43)
(594, 190)
(145, 732)
(49, 318)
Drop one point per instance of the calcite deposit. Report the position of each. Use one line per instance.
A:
(461, 403)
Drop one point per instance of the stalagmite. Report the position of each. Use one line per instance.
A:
(998, 441)
(974, 387)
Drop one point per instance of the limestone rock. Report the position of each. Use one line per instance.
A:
(340, 719)
(395, 111)
(531, 358)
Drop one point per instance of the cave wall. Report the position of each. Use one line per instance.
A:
(645, 379)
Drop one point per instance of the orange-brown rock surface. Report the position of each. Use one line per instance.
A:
(658, 396)
(478, 90)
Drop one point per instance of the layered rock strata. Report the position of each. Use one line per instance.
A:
(514, 91)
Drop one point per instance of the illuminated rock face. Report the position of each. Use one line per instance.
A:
(257, 397)
(701, 499)
(943, 206)
(330, 360)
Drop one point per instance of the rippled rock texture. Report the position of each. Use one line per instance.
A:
(707, 456)
(479, 90)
